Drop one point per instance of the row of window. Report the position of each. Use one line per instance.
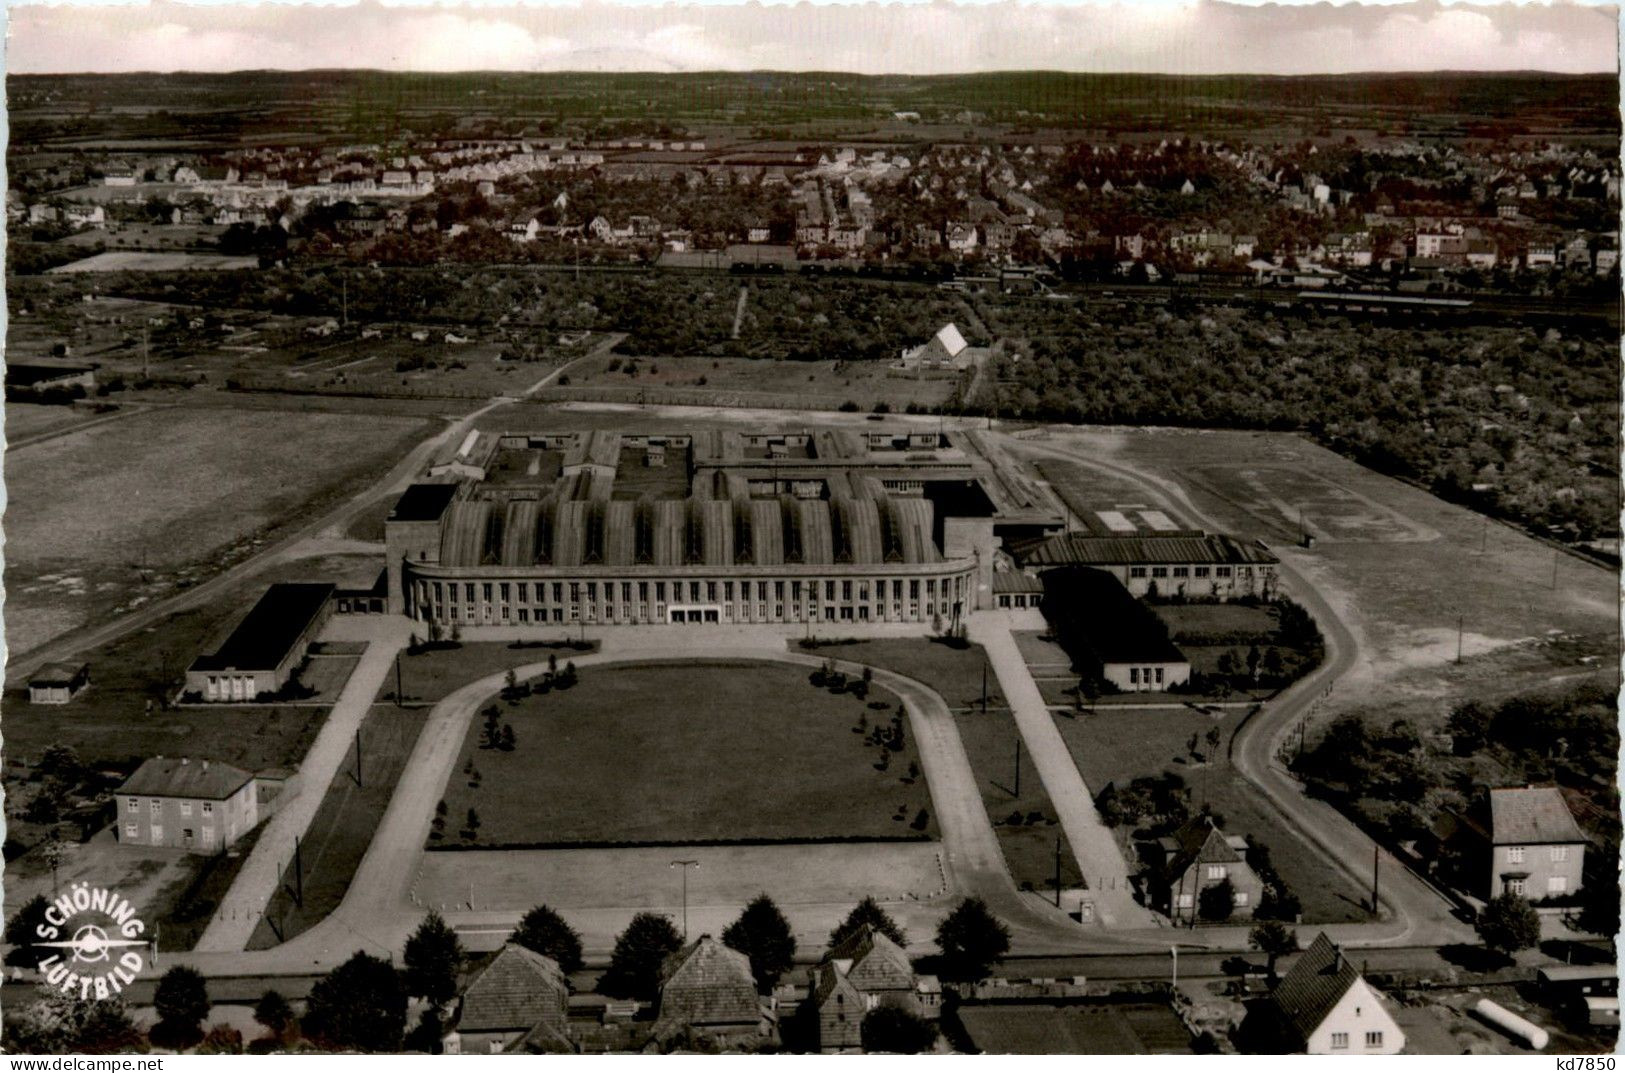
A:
(204, 837)
(1554, 885)
(1186, 900)
(1136, 675)
(156, 806)
(1340, 1040)
(491, 602)
(1557, 854)
(1244, 572)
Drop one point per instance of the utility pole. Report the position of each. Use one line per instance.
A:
(344, 300)
(1018, 767)
(399, 697)
(1460, 626)
(685, 866)
(1376, 861)
(1555, 554)
(1174, 950)
(1057, 871)
(358, 781)
(298, 874)
(146, 357)
(984, 687)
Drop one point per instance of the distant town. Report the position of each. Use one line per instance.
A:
(1035, 564)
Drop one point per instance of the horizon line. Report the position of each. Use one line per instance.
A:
(498, 71)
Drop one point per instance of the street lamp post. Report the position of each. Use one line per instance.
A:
(685, 866)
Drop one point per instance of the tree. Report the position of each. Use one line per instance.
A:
(1508, 924)
(762, 934)
(893, 1030)
(971, 939)
(20, 933)
(1599, 908)
(1275, 940)
(1254, 657)
(431, 960)
(868, 912)
(1274, 664)
(1468, 725)
(221, 1039)
(640, 951)
(545, 932)
(506, 742)
(273, 1012)
(1217, 902)
(62, 1024)
(1213, 737)
(360, 1006)
(181, 1002)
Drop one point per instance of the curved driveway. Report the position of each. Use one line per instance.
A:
(1416, 913)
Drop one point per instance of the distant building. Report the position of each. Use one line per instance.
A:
(707, 990)
(196, 805)
(1199, 856)
(1324, 1006)
(262, 652)
(1537, 850)
(521, 1000)
(1191, 563)
(58, 683)
(945, 350)
(24, 379)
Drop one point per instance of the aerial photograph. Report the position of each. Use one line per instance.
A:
(986, 529)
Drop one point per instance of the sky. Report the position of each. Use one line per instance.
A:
(918, 37)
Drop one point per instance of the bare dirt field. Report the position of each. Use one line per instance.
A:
(686, 753)
(153, 261)
(97, 515)
(644, 879)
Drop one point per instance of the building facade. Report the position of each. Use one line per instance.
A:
(609, 528)
(1537, 849)
(268, 645)
(58, 683)
(196, 805)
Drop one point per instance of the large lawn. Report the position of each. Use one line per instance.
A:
(959, 674)
(430, 674)
(124, 510)
(1116, 745)
(686, 753)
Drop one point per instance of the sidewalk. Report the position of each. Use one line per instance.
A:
(1100, 862)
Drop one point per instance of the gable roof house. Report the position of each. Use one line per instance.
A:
(864, 971)
(519, 1001)
(1197, 857)
(1324, 1006)
(1537, 850)
(707, 990)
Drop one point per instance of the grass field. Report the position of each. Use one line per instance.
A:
(1087, 491)
(31, 419)
(1117, 745)
(956, 673)
(343, 826)
(683, 753)
(431, 674)
(122, 511)
(1028, 840)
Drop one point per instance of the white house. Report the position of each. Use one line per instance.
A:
(1324, 1006)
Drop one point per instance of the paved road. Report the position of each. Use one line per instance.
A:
(240, 911)
(1100, 861)
(1414, 911)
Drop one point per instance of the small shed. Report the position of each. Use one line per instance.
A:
(58, 683)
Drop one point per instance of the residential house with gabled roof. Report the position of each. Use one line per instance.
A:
(521, 1000)
(865, 970)
(1199, 856)
(1324, 1006)
(1537, 850)
(708, 990)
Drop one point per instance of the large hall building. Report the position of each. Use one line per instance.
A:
(606, 527)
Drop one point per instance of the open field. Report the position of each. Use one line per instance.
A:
(1113, 746)
(1089, 493)
(160, 498)
(833, 382)
(153, 261)
(344, 824)
(644, 879)
(25, 419)
(1024, 823)
(685, 753)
